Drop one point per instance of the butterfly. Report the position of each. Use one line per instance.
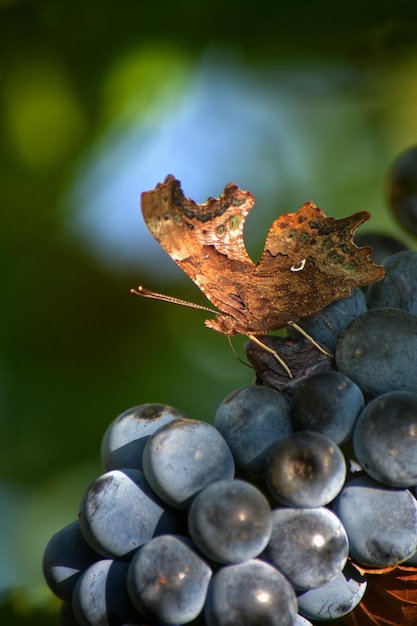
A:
(309, 260)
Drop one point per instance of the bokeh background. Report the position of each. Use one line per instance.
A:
(99, 101)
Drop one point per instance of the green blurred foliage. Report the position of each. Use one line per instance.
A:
(77, 349)
(20, 608)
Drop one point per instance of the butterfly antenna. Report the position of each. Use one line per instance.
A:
(310, 338)
(147, 293)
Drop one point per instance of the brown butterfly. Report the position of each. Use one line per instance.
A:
(309, 260)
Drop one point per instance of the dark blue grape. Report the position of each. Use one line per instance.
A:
(380, 521)
(301, 621)
(385, 439)
(251, 419)
(402, 190)
(335, 598)
(378, 351)
(305, 469)
(66, 556)
(184, 457)
(150, 621)
(124, 440)
(411, 561)
(252, 593)
(398, 288)
(382, 246)
(230, 521)
(66, 615)
(309, 546)
(168, 579)
(119, 512)
(100, 595)
(327, 403)
(327, 325)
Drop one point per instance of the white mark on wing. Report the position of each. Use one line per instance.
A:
(299, 268)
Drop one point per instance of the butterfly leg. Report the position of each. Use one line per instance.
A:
(310, 338)
(273, 352)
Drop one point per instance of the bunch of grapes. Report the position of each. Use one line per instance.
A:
(260, 517)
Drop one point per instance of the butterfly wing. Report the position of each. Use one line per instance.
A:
(205, 240)
(310, 260)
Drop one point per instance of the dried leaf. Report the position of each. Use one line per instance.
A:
(390, 599)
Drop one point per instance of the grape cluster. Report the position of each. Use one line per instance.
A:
(251, 520)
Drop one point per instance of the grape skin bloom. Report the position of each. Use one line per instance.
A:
(230, 521)
(182, 458)
(250, 593)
